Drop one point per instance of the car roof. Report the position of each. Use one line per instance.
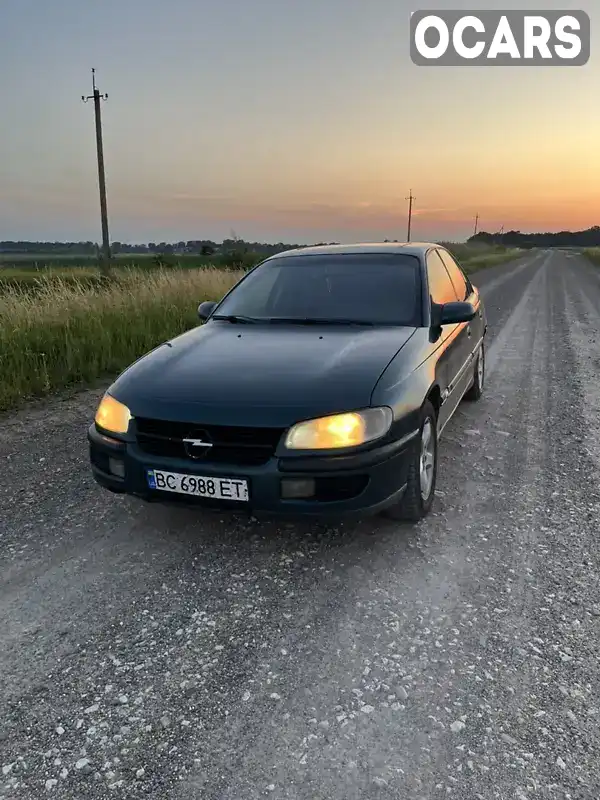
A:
(407, 248)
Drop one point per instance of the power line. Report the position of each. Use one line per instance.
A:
(410, 199)
(96, 97)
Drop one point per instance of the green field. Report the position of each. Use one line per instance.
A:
(32, 263)
(35, 261)
(475, 257)
(66, 326)
(80, 270)
(67, 334)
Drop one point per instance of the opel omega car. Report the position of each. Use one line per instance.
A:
(320, 384)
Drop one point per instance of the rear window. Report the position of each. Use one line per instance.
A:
(377, 288)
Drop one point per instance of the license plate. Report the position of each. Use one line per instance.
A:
(198, 485)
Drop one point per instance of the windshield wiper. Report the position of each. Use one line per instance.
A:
(236, 318)
(319, 321)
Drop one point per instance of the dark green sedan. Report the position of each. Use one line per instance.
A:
(320, 384)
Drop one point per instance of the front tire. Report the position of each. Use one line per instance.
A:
(476, 390)
(422, 472)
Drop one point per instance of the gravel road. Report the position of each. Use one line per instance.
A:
(162, 653)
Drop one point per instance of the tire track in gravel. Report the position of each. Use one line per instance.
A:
(581, 282)
(501, 288)
(492, 278)
(538, 738)
(572, 623)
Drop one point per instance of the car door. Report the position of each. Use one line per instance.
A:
(448, 354)
(465, 290)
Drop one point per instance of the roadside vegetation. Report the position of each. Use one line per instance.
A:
(593, 253)
(65, 325)
(473, 257)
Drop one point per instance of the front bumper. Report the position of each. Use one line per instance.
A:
(361, 484)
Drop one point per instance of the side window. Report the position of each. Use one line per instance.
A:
(463, 290)
(440, 285)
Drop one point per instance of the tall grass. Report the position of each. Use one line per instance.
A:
(66, 334)
(491, 259)
(68, 326)
(70, 271)
(473, 257)
(34, 279)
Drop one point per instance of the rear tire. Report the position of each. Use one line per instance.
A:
(476, 390)
(422, 472)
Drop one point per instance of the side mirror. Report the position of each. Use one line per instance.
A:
(205, 309)
(453, 313)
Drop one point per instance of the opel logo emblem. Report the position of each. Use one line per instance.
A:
(198, 444)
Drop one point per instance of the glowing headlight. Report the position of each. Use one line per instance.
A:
(112, 415)
(340, 430)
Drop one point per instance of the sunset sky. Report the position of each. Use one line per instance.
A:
(282, 121)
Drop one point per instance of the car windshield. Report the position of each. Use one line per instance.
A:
(369, 288)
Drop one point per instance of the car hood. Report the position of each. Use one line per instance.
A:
(259, 375)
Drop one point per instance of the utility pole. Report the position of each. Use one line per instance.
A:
(96, 97)
(410, 199)
(476, 221)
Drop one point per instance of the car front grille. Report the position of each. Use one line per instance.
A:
(234, 445)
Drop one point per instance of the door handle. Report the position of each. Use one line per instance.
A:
(469, 331)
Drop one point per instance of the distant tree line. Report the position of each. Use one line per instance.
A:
(204, 247)
(587, 238)
(235, 245)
